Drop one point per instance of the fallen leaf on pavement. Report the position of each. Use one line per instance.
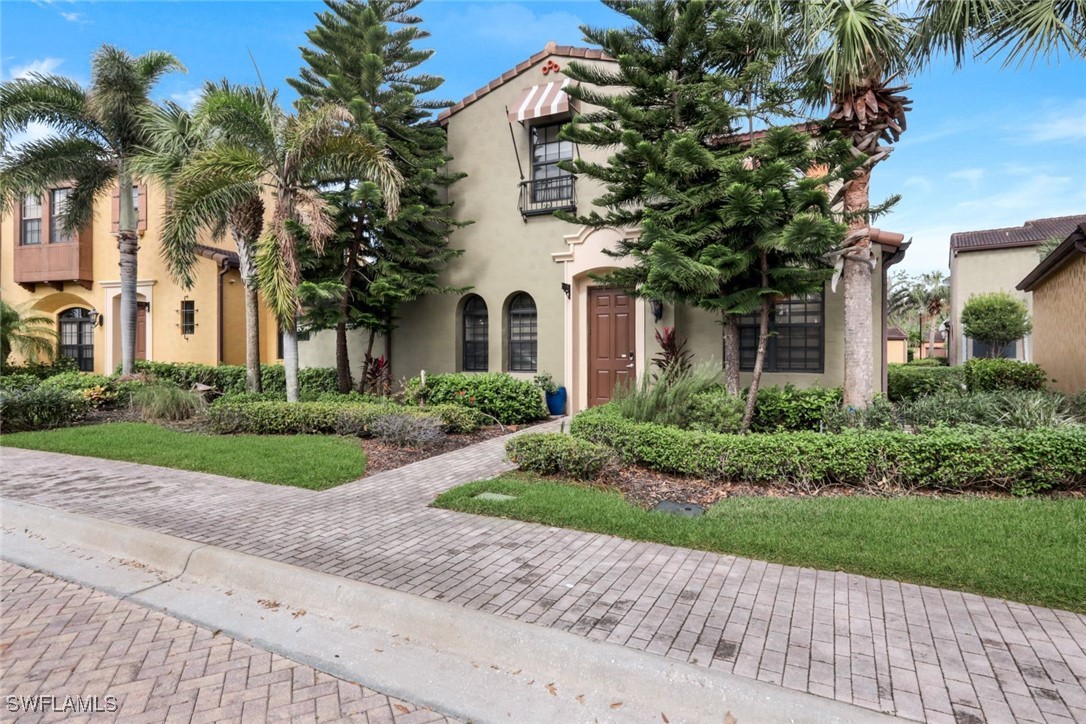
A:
(616, 705)
(664, 717)
(580, 698)
(402, 709)
(552, 689)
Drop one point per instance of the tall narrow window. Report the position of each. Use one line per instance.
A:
(522, 334)
(77, 337)
(31, 226)
(188, 317)
(476, 336)
(59, 199)
(796, 332)
(550, 183)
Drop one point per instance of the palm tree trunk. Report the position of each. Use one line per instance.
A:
(731, 354)
(290, 359)
(859, 386)
(127, 246)
(252, 316)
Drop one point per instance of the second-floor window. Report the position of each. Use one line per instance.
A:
(550, 183)
(30, 233)
(188, 317)
(58, 205)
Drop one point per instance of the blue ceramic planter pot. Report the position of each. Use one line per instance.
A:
(556, 401)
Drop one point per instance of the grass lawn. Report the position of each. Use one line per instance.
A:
(316, 462)
(1028, 550)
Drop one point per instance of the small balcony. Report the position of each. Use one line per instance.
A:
(54, 263)
(544, 196)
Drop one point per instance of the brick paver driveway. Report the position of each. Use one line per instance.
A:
(921, 653)
(63, 640)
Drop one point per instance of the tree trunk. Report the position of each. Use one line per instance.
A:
(343, 360)
(933, 328)
(127, 246)
(252, 316)
(859, 374)
(759, 362)
(290, 359)
(731, 354)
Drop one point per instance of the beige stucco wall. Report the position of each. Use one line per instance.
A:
(897, 351)
(980, 272)
(164, 339)
(1059, 326)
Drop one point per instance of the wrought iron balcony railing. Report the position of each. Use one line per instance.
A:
(547, 195)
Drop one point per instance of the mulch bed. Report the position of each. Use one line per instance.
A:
(382, 456)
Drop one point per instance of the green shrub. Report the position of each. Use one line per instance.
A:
(77, 381)
(667, 400)
(11, 382)
(457, 420)
(998, 375)
(1021, 461)
(1025, 409)
(910, 382)
(230, 379)
(507, 399)
(405, 429)
(557, 454)
(162, 401)
(715, 411)
(39, 408)
(929, 362)
(295, 418)
(792, 408)
(881, 414)
(43, 370)
(1078, 406)
(951, 409)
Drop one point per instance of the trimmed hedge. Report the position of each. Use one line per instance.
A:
(910, 382)
(792, 408)
(509, 400)
(230, 379)
(1022, 461)
(1001, 375)
(40, 408)
(230, 416)
(552, 453)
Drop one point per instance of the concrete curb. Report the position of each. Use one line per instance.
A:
(465, 663)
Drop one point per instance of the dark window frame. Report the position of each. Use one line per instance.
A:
(814, 355)
(522, 329)
(75, 326)
(26, 221)
(56, 234)
(549, 182)
(188, 317)
(475, 335)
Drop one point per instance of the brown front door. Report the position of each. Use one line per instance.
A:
(610, 342)
(141, 332)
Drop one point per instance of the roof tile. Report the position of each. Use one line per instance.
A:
(1030, 233)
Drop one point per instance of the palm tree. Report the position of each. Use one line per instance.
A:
(31, 334)
(100, 129)
(175, 137)
(257, 148)
(853, 51)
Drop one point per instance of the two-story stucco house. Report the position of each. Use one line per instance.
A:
(75, 279)
(534, 306)
(996, 260)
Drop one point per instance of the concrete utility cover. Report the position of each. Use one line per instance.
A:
(495, 496)
(687, 510)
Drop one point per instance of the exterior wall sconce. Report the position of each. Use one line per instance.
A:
(145, 306)
(97, 318)
(566, 289)
(657, 309)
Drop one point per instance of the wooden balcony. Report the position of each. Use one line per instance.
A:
(55, 264)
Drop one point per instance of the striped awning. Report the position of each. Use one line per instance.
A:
(541, 101)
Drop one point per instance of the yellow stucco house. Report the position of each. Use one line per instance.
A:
(76, 280)
(1058, 286)
(534, 306)
(996, 260)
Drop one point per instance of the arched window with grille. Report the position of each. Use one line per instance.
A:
(523, 341)
(476, 336)
(77, 337)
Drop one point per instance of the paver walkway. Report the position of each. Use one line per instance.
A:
(921, 653)
(62, 640)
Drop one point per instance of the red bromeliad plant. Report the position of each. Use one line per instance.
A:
(673, 360)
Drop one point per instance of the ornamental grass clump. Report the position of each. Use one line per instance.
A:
(666, 400)
(167, 402)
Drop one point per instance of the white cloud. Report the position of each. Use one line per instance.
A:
(73, 17)
(1063, 122)
(920, 183)
(187, 98)
(972, 176)
(43, 66)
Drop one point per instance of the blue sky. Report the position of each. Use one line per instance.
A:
(986, 147)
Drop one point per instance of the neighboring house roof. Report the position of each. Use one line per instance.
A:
(1030, 233)
(552, 48)
(1075, 243)
(896, 333)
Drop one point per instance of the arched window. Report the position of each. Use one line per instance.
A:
(77, 337)
(476, 336)
(522, 334)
